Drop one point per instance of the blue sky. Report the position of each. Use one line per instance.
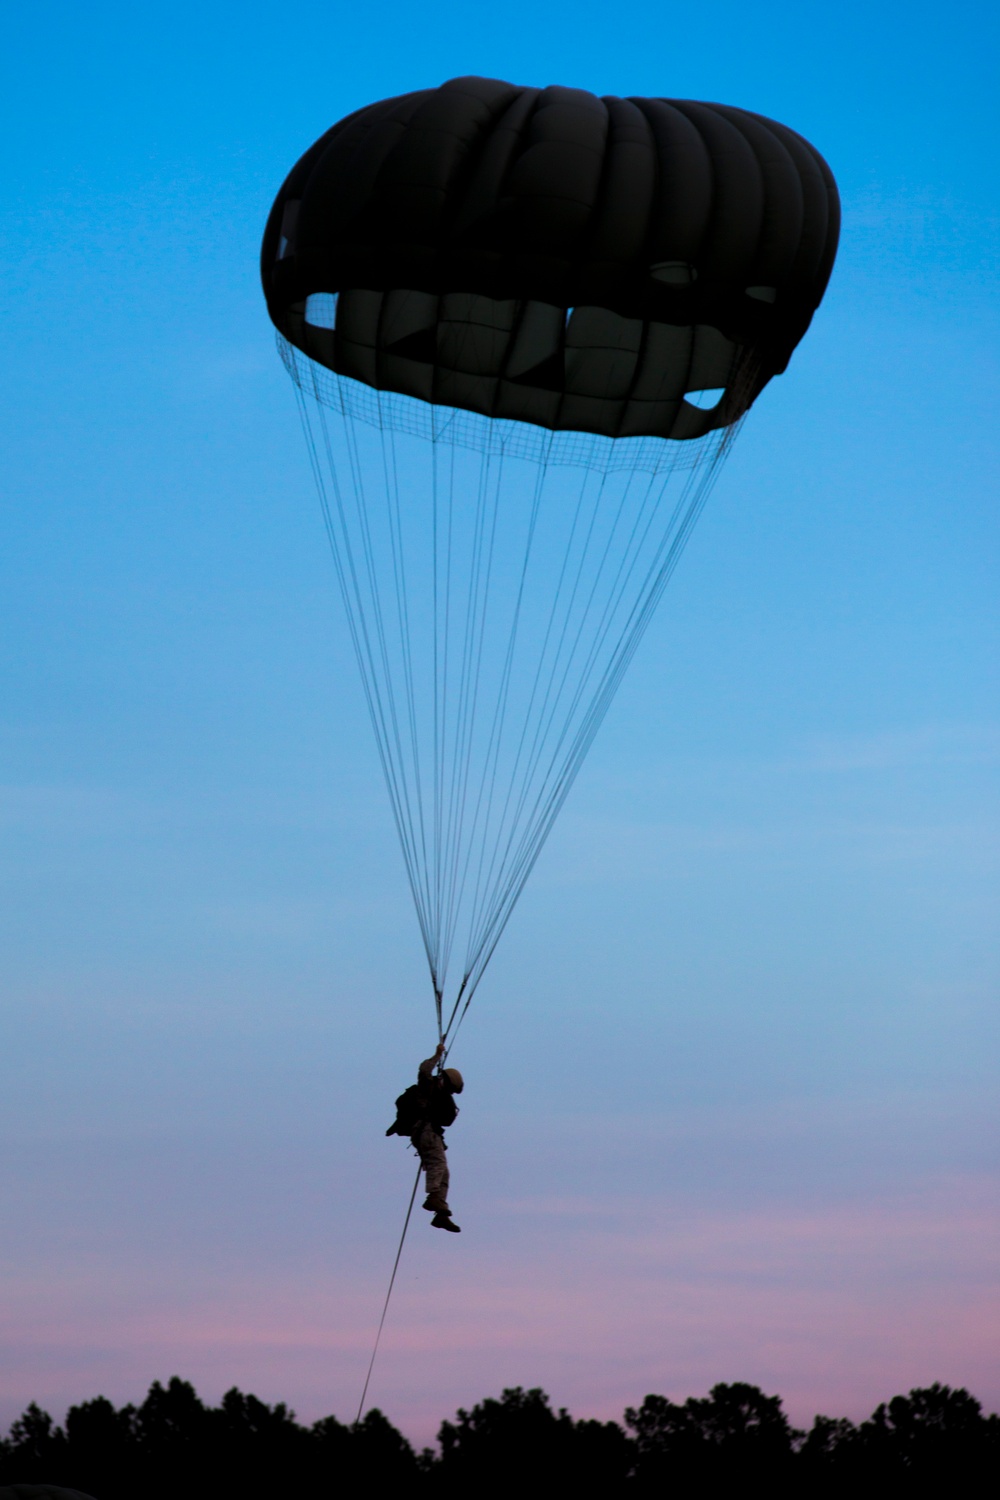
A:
(732, 1075)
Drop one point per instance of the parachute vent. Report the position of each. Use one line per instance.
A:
(321, 310)
(705, 400)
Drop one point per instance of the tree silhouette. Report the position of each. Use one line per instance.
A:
(934, 1441)
(518, 1442)
(39, 1444)
(174, 1447)
(735, 1434)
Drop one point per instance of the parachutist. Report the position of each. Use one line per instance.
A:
(423, 1112)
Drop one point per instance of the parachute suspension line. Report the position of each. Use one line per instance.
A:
(533, 698)
(500, 712)
(429, 906)
(348, 584)
(550, 699)
(391, 484)
(564, 775)
(497, 581)
(444, 890)
(657, 578)
(385, 1305)
(559, 778)
(462, 872)
(549, 702)
(406, 793)
(476, 600)
(584, 738)
(453, 755)
(438, 696)
(495, 735)
(349, 580)
(540, 697)
(490, 478)
(638, 531)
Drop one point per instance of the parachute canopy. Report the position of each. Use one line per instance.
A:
(625, 267)
(524, 326)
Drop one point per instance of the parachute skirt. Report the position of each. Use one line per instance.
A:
(497, 578)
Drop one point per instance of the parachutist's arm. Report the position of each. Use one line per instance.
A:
(430, 1063)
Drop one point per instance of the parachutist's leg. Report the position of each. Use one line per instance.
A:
(438, 1177)
(435, 1165)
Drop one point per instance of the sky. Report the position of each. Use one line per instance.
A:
(730, 1111)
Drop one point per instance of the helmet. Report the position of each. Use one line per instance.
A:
(456, 1080)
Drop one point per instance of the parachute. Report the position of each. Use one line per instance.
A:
(524, 327)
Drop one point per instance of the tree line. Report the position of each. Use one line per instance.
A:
(173, 1446)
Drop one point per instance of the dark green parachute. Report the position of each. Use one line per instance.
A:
(524, 327)
(545, 255)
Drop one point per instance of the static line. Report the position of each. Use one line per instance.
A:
(385, 1307)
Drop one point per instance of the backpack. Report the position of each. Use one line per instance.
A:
(411, 1111)
(421, 1105)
